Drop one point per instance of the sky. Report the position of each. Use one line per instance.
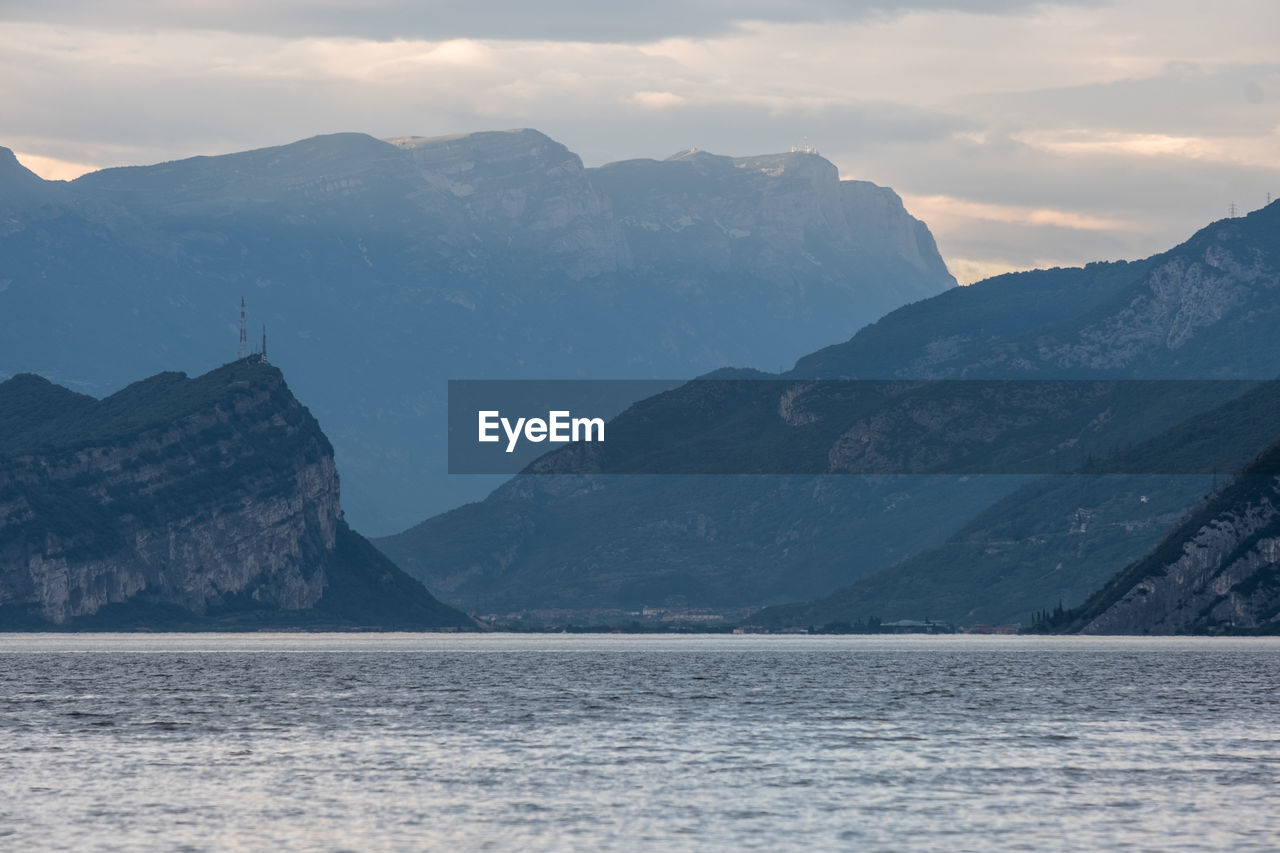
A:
(1025, 134)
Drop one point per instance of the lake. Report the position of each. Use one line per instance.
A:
(582, 742)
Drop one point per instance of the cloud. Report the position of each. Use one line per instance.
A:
(51, 168)
(431, 20)
(1247, 151)
(1024, 206)
(1021, 132)
(657, 100)
(940, 208)
(179, 94)
(1236, 95)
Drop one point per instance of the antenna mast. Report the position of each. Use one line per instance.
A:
(264, 343)
(243, 349)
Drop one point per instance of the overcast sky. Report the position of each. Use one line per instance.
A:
(1025, 134)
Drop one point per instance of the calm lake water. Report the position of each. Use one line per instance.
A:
(368, 742)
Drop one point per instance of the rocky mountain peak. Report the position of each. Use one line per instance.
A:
(799, 165)
(480, 164)
(520, 175)
(523, 142)
(708, 208)
(803, 166)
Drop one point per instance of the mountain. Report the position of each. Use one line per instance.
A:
(1197, 311)
(382, 268)
(1057, 538)
(1217, 571)
(184, 504)
(696, 217)
(1206, 309)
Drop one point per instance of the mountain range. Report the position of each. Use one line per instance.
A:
(904, 546)
(1058, 538)
(382, 268)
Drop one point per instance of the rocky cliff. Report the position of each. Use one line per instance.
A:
(532, 189)
(1218, 571)
(182, 501)
(783, 219)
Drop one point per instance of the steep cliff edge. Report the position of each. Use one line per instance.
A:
(1217, 572)
(177, 502)
(789, 231)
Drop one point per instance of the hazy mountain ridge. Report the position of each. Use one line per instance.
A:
(193, 502)
(1056, 538)
(552, 542)
(382, 268)
(1161, 317)
(684, 214)
(712, 543)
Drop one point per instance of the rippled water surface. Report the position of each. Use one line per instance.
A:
(515, 742)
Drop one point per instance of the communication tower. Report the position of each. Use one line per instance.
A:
(243, 349)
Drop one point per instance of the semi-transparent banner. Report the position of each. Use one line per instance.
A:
(774, 426)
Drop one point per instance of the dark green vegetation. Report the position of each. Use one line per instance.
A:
(384, 268)
(39, 416)
(184, 504)
(1209, 308)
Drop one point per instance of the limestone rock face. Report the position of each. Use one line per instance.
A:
(1219, 571)
(1182, 298)
(531, 189)
(786, 219)
(197, 494)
